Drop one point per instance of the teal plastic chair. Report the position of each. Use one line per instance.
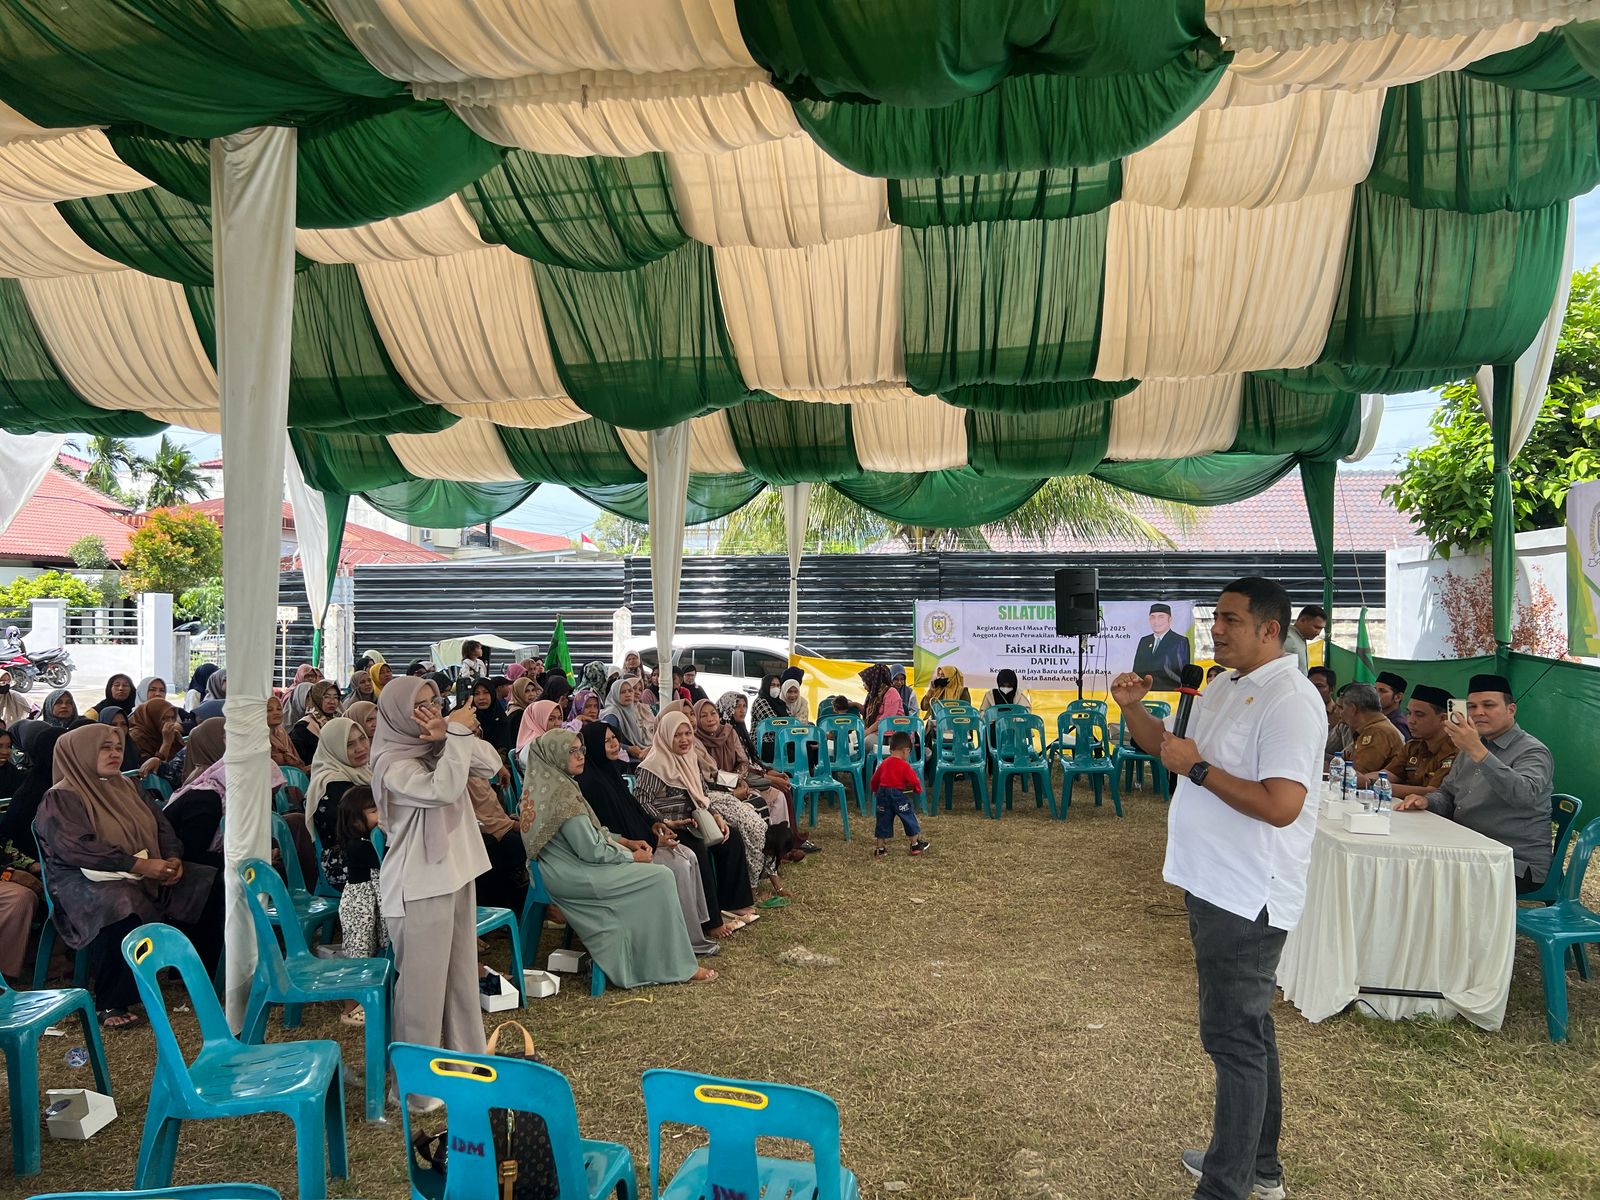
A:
(472, 1084)
(993, 715)
(954, 708)
(735, 1113)
(511, 794)
(533, 910)
(293, 777)
(24, 1016)
(912, 726)
(490, 919)
(295, 976)
(151, 783)
(1131, 760)
(227, 1077)
(1083, 750)
(314, 914)
(1564, 810)
(809, 784)
(323, 888)
(47, 935)
(1564, 926)
(846, 735)
(1020, 754)
(196, 1191)
(768, 728)
(960, 751)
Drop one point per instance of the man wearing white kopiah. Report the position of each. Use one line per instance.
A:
(1239, 837)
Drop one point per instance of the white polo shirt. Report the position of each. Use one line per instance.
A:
(1269, 724)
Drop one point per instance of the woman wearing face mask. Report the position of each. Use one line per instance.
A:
(947, 684)
(793, 698)
(14, 705)
(1006, 690)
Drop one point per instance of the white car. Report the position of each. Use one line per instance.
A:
(726, 662)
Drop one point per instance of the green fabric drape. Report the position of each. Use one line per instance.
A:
(955, 499)
(340, 373)
(1503, 517)
(644, 348)
(350, 171)
(345, 464)
(151, 230)
(710, 497)
(1002, 302)
(34, 397)
(1274, 419)
(1010, 196)
(1455, 142)
(201, 68)
(1564, 61)
(582, 454)
(1027, 123)
(1209, 479)
(789, 441)
(923, 53)
(1433, 289)
(1027, 445)
(589, 214)
(1327, 378)
(1317, 479)
(1037, 397)
(446, 504)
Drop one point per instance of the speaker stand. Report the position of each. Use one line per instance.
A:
(1082, 638)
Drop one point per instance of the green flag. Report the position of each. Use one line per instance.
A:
(559, 655)
(1364, 669)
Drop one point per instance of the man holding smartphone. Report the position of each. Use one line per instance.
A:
(1239, 835)
(1500, 782)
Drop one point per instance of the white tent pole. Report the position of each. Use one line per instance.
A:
(669, 499)
(796, 515)
(252, 207)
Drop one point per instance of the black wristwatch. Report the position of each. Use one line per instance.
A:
(1198, 773)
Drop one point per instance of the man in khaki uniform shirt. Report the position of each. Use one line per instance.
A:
(1373, 738)
(1419, 767)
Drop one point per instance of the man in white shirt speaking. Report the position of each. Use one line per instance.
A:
(1238, 842)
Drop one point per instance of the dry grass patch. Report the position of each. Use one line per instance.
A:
(1012, 1016)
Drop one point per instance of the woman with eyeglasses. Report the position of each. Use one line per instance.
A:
(420, 765)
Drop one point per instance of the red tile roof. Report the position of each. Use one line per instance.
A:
(1274, 520)
(73, 463)
(63, 510)
(212, 464)
(361, 547)
(528, 539)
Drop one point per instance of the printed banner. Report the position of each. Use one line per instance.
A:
(981, 637)
(1583, 570)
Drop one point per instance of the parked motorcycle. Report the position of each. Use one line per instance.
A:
(55, 667)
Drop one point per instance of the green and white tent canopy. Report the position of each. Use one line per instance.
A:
(927, 258)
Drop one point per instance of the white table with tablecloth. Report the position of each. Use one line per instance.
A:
(1430, 907)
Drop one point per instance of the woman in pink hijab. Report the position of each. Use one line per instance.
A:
(537, 719)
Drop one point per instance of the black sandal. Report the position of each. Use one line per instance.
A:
(120, 1018)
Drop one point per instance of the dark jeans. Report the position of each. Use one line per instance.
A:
(892, 803)
(1237, 961)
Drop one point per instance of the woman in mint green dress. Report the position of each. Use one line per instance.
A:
(623, 906)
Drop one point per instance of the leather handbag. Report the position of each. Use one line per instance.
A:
(706, 825)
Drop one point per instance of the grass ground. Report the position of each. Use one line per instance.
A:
(1012, 1016)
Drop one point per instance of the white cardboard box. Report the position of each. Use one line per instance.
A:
(1376, 823)
(540, 984)
(85, 1115)
(506, 999)
(565, 962)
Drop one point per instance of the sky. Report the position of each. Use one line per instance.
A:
(557, 510)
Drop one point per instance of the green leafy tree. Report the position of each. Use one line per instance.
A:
(202, 603)
(172, 551)
(89, 553)
(620, 535)
(1075, 504)
(174, 477)
(109, 456)
(50, 585)
(1446, 485)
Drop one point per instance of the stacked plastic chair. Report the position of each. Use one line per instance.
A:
(1082, 749)
(959, 752)
(846, 735)
(887, 728)
(47, 936)
(1131, 761)
(1564, 928)
(1020, 755)
(24, 1016)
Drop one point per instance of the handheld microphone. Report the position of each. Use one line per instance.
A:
(1189, 683)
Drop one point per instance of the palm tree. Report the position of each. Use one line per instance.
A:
(174, 477)
(109, 456)
(1075, 504)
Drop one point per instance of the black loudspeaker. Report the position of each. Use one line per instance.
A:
(1077, 602)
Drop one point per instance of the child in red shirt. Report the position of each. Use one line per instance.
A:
(890, 783)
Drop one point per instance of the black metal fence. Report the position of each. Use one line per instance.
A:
(851, 606)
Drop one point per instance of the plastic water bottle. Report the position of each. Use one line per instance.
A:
(1351, 787)
(1336, 777)
(1385, 791)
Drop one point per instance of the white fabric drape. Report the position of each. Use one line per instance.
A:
(1530, 374)
(124, 340)
(24, 460)
(443, 228)
(77, 164)
(469, 451)
(1291, 24)
(1175, 418)
(253, 198)
(778, 194)
(712, 450)
(14, 127)
(311, 533)
(1304, 144)
(1196, 292)
(466, 329)
(909, 433)
(796, 515)
(668, 497)
(824, 316)
(1371, 422)
(37, 243)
